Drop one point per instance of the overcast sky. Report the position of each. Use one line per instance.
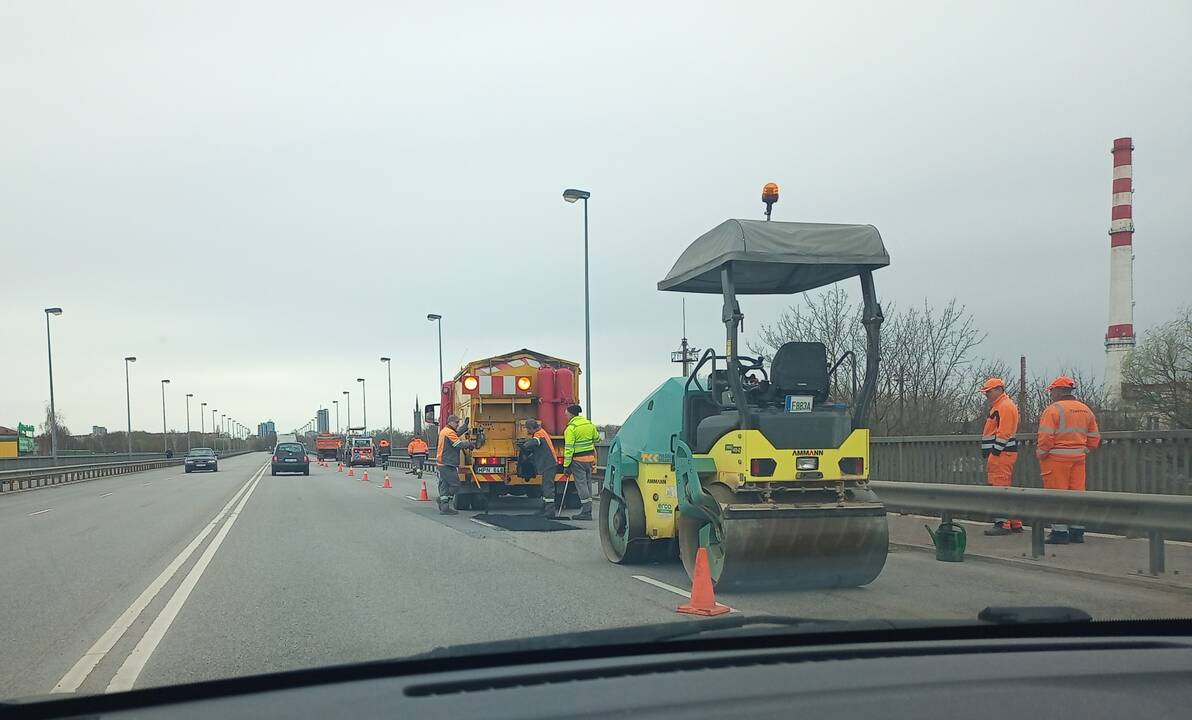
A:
(258, 200)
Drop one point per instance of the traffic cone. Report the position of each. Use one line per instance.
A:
(339, 467)
(365, 478)
(351, 471)
(422, 496)
(386, 483)
(703, 599)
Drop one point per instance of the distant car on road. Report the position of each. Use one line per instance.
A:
(291, 457)
(201, 459)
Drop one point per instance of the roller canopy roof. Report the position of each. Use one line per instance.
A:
(772, 258)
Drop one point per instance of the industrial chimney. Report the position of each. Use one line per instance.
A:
(1119, 338)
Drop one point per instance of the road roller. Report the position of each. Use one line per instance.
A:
(764, 463)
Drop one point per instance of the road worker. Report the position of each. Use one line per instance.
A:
(579, 457)
(999, 446)
(541, 450)
(452, 442)
(1067, 434)
(417, 450)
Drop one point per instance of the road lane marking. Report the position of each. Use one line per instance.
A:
(411, 497)
(128, 673)
(147, 483)
(671, 588)
(74, 677)
(481, 522)
(39, 512)
(105, 494)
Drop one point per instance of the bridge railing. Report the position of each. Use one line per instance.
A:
(30, 478)
(1135, 462)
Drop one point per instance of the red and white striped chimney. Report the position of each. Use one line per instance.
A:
(1119, 338)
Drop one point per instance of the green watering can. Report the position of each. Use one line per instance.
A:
(949, 540)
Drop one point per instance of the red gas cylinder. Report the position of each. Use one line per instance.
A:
(565, 391)
(547, 399)
(446, 403)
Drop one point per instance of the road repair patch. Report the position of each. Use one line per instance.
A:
(524, 523)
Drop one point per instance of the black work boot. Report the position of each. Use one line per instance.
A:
(445, 506)
(549, 509)
(585, 512)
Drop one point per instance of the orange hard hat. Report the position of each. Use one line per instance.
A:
(992, 383)
(1063, 381)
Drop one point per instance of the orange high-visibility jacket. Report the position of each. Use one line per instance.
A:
(417, 446)
(1000, 426)
(1067, 430)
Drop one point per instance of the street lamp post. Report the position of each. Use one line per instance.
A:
(389, 374)
(221, 426)
(53, 409)
(337, 425)
(188, 397)
(348, 395)
(438, 320)
(571, 195)
(214, 434)
(128, 401)
(363, 402)
(202, 426)
(165, 441)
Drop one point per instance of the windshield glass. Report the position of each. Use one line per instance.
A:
(942, 365)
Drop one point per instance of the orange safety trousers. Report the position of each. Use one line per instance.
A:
(999, 470)
(1062, 474)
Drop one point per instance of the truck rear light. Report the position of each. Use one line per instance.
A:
(762, 467)
(806, 463)
(490, 461)
(523, 383)
(852, 466)
(471, 383)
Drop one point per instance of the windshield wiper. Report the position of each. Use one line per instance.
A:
(727, 625)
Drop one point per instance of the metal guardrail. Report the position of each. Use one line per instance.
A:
(46, 461)
(30, 478)
(1157, 516)
(1132, 462)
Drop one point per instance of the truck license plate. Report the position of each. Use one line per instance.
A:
(490, 470)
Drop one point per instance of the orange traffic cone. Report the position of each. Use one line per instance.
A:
(365, 477)
(339, 467)
(422, 496)
(351, 471)
(386, 484)
(703, 599)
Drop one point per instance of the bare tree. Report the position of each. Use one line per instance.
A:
(1158, 373)
(925, 379)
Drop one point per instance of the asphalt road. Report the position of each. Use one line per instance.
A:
(160, 578)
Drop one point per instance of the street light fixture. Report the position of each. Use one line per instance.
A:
(364, 403)
(571, 195)
(214, 434)
(389, 373)
(188, 397)
(53, 409)
(165, 442)
(348, 395)
(439, 320)
(128, 401)
(202, 427)
(338, 427)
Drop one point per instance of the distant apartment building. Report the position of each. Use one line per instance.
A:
(323, 421)
(266, 428)
(99, 430)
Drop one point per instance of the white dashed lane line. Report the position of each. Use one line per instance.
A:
(39, 512)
